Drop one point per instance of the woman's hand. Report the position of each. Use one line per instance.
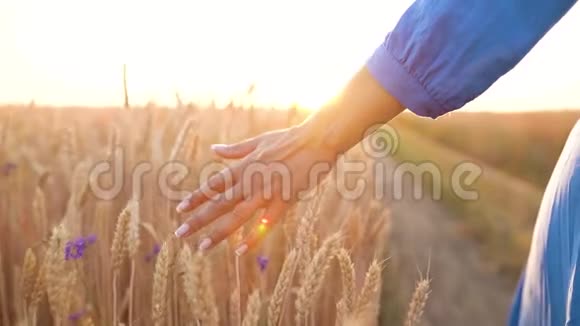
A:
(273, 169)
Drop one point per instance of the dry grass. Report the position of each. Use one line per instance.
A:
(89, 261)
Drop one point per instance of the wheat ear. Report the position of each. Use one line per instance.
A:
(39, 210)
(119, 252)
(366, 301)
(277, 300)
(253, 309)
(180, 140)
(347, 274)
(119, 247)
(200, 298)
(160, 279)
(133, 241)
(29, 272)
(234, 305)
(55, 271)
(418, 302)
(314, 276)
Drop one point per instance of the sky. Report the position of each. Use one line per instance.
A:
(62, 52)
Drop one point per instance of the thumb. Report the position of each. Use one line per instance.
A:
(238, 150)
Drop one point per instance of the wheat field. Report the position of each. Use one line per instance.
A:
(68, 257)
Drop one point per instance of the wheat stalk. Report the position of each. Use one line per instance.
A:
(70, 287)
(68, 150)
(39, 288)
(160, 279)
(346, 304)
(120, 245)
(314, 277)
(366, 300)
(113, 142)
(305, 232)
(132, 229)
(195, 273)
(55, 272)
(253, 309)
(234, 305)
(180, 140)
(418, 302)
(191, 274)
(133, 241)
(29, 273)
(210, 301)
(39, 210)
(119, 251)
(278, 298)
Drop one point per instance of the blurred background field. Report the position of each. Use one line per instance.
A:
(516, 151)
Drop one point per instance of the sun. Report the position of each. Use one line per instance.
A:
(74, 53)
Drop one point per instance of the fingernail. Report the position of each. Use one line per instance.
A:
(218, 147)
(242, 249)
(181, 230)
(204, 244)
(182, 206)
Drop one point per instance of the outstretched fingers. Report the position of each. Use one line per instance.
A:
(216, 184)
(211, 210)
(232, 221)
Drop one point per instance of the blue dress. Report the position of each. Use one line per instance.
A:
(549, 290)
(443, 54)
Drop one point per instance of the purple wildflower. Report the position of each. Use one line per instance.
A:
(75, 249)
(76, 316)
(262, 262)
(80, 243)
(153, 253)
(7, 168)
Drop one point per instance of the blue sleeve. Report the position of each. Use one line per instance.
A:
(444, 53)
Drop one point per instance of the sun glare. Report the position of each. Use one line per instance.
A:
(69, 52)
(301, 52)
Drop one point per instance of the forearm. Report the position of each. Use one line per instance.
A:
(441, 55)
(343, 122)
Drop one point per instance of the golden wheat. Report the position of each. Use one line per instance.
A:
(56, 273)
(280, 294)
(29, 273)
(160, 279)
(367, 299)
(99, 287)
(347, 274)
(254, 306)
(119, 245)
(314, 276)
(418, 302)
